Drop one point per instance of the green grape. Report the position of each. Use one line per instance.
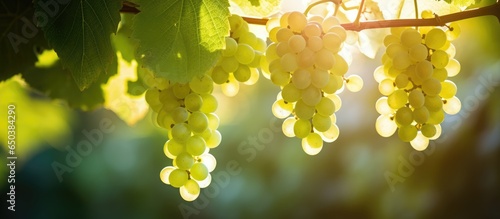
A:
(195, 145)
(418, 52)
(232, 87)
(452, 106)
(334, 83)
(331, 134)
(165, 120)
(439, 59)
(213, 121)
(180, 114)
(428, 130)
(289, 62)
(193, 102)
(329, 22)
(311, 96)
(421, 115)
(271, 53)
(325, 107)
(416, 98)
(312, 30)
(438, 132)
(280, 77)
(431, 87)
(424, 69)
(302, 128)
(435, 38)
(178, 178)
(209, 161)
(404, 116)
(152, 97)
(288, 127)
(389, 39)
(303, 111)
(420, 142)
(407, 133)
(453, 32)
(165, 174)
(401, 81)
(386, 87)
(312, 144)
(290, 93)
(181, 132)
(173, 147)
(336, 100)
(296, 43)
(324, 59)
(203, 85)
(332, 42)
(281, 109)
(319, 78)
(410, 37)
(305, 58)
(231, 46)
(282, 48)
(340, 67)
(190, 190)
(244, 54)
(427, 14)
(379, 74)
(354, 83)
(214, 140)
(451, 50)
(199, 171)
(315, 43)
(301, 78)
(198, 122)
(209, 103)
(184, 161)
(284, 34)
(401, 61)
(383, 107)
(436, 117)
(321, 123)
(394, 49)
(453, 67)
(297, 21)
(397, 99)
(229, 64)
(440, 74)
(243, 73)
(340, 31)
(385, 125)
(433, 103)
(448, 89)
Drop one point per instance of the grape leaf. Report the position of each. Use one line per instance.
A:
(122, 41)
(79, 31)
(180, 39)
(57, 83)
(20, 39)
(462, 3)
(258, 8)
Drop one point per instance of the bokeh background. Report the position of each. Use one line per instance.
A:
(458, 176)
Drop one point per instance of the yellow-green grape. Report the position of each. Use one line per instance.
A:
(198, 122)
(164, 120)
(280, 77)
(296, 43)
(290, 93)
(453, 67)
(324, 59)
(427, 14)
(165, 174)
(231, 46)
(410, 37)
(452, 106)
(332, 42)
(341, 65)
(354, 83)
(282, 48)
(331, 134)
(312, 144)
(173, 147)
(283, 35)
(190, 190)
(404, 116)
(195, 145)
(416, 98)
(152, 97)
(231, 87)
(289, 62)
(407, 133)
(334, 84)
(320, 78)
(306, 58)
(181, 132)
(254, 77)
(386, 87)
(440, 74)
(436, 117)
(389, 39)
(424, 69)
(203, 85)
(315, 43)
(329, 22)
(394, 49)
(397, 99)
(325, 107)
(401, 61)
(433, 103)
(199, 171)
(385, 125)
(421, 115)
(213, 121)
(184, 161)
(181, 90)
(383, 107)
(439, 59)
(448, 89)
(402, 80)
(428, 130)
(288, 127)
(193, 102)
(297, 21)
(336, 100)
(214, 140)
(311, 95)
(281, 109)
(303, 111)
(243, 73)
(420, 142)
(437, 134)
(340, 31)
(418, 52)
(229, 64)
(321, 123)
(453, 32)
(312, 30)
(209, 103)
(435, 38)
(431, 87)
(180, 114)
(178, 178)
(244, 54)
(302, 128)
(301, 78)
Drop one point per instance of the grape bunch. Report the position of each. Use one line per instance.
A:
(415, 85)
(303, 59)
(240, 58)
(186, 111)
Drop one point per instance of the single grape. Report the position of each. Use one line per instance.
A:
(190, 190)
(199, 171)
(178, 178)
(407, 133)
(435, 38)
(302, 128)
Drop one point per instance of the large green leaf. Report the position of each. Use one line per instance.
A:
(20, 39)
(180, 39)
(258, 8)
(79, 31)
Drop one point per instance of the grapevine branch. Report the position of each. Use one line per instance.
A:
(493, 9)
